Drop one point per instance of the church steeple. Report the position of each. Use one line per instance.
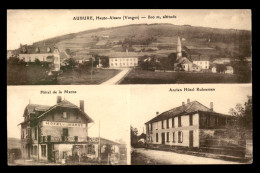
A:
(178, 50)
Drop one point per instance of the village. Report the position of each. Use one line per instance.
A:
(104, 54)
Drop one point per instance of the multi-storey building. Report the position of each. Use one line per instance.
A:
(47, 54)
(52, 133)
(123, 59)
(185, 125)
(201, 60)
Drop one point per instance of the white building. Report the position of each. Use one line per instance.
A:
(187, 125)
(201, 61)
(123, 59)
(44, 55)
(229, 70)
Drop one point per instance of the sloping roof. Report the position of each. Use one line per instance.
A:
(67, 104)
(35, 107)
(121, 54)
(43, 109)
(199, 58)
(184, 60)
(31, 49)
(229, 67)
(186, 108)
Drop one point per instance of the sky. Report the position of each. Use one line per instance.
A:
(106, 105)
(145, 101)
(29, 26)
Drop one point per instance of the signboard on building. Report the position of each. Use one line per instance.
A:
(62, 124)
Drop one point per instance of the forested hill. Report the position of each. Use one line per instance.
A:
(233, 41)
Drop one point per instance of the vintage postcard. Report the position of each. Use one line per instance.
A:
(129, 86)
(184, 125)
(81, 47)
(49, 126)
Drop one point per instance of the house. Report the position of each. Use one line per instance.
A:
(214, 69)
(44, 54)
(229, 70)
(185, 64)
(189, 125)
(200, 60)
(54, 133)
(196, 68)
(123, 59)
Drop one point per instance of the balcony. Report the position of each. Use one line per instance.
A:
(63, 139)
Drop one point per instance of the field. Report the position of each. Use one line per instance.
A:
(149, 77)
(73, 78)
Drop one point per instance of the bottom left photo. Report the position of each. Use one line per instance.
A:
(62, 126)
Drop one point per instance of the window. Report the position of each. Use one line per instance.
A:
(179, 121)
(35, 133)
(173, 137)
(43, 138)
(156, 137)
(180, 137)
(76, 138)
(64, 115)
(168, 136)
(65, 132)
(35, 150)
(172, 122)
(167, 123)
(49, 138)
(43, 147)
(191, 119)
(156, 125)
(162, 125)
(151, 127)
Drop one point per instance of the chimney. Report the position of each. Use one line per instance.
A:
(183, 105)
(58, 99)
(188, 100)
(157, 113)
(81, 105)
(211, 106)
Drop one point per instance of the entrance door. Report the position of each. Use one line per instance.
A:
(49, 152)
(191, 139)
(163, 138)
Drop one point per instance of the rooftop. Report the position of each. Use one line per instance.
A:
(43, 109)
(199, 58)
(187, 108)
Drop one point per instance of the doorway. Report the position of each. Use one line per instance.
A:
(191, 138)
(49, 152)
(163, 138)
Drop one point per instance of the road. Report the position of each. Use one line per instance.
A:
(117, 78)
(170, 158)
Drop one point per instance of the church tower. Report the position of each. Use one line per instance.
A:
(178, 50)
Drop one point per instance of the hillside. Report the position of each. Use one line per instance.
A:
(13, 143)
(223, 42)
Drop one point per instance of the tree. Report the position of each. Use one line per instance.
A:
(105, 62)
(221, 68)
(37, 62)
(134, 137)
(70, 63)
(243, 116)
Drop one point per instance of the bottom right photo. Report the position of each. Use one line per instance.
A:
(202, 124)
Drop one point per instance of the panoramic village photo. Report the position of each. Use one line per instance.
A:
(128, 47)
(191, 128)
(66, 130)
(129, 87)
